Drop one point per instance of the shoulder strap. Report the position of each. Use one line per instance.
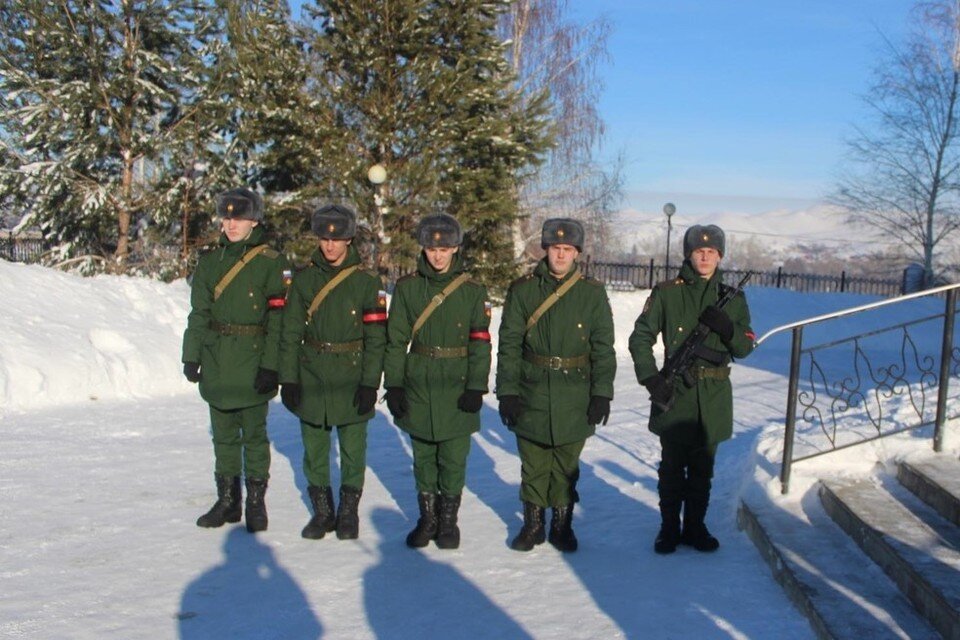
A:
(552, 299)
(235, 269)
(327, 288)
(437, 301)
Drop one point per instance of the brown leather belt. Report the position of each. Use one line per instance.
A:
(716, 373)
(556, 362)
(438, 352)
(335, 347)
(225, 329)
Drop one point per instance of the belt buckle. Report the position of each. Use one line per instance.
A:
(223, 330)
(554, 363)
(434, 352)
(326, 347)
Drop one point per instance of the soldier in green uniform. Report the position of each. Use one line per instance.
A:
(555, 373)
(701, 415)
(331, 359)
(435, 390)
(231, 348)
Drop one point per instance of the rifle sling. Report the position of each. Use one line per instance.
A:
(436, 301)
(327, 288)
(235, 269)
(552, 299)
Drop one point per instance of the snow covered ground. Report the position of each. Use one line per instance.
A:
(107, 463)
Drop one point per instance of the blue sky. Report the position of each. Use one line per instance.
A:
(738, 105)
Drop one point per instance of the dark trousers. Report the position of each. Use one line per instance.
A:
(240, 441)
(440, 467)
(686, 470)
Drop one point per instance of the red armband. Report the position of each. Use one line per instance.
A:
(374, 315)
(276, 302)
(480, 334)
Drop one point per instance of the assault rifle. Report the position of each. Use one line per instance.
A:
(680, 361)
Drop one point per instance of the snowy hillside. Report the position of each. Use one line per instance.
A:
(107, 463)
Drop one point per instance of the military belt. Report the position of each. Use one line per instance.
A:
(716, 373)
(438, 352)
(335, 347)
(557, 362)
(226, 329)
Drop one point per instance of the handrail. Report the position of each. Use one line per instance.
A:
(852, 310)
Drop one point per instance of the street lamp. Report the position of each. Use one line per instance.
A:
(669, 209)
(377, 175)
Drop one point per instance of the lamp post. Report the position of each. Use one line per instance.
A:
(377, 175)
(669, 209)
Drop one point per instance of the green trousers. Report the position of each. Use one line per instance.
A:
(353, 453)
(548, 475)
(440, 467)
(240, 442)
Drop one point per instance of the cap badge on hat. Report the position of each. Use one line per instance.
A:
(706, 237)
(560, 233)
(436, 236)
(331, 227)
(230, 207)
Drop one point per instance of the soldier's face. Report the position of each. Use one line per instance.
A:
(560, 258)
(237, 229)
(705, 261)
(440, 257)
(334, 251)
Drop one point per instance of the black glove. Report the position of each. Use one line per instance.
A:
(510, 410)
(660, 390)
(290, 393)
(470, 401)
(397, 402)
(598, 409)
(266, 380)
(191, 371)
(364, 399)
(718, 321)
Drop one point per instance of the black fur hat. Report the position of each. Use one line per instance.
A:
(562, 231)
(240, 203)
(700, 236)
(439, 230)
(334, 222)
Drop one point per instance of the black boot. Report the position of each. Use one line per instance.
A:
(348, 522)
(695, 533)
(426, 529)
(561, 529)
(532, 532)
(256, 507)
(448, 533)
(324, 518)
(227, 506)
(669, 536)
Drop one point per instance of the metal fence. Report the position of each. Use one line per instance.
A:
(887, 380)
(627, 276)
(17, 248)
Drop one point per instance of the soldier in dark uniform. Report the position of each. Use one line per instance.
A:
(331, 359)
(555, 371)
(435, 390)
(231, 348)
(701, 416)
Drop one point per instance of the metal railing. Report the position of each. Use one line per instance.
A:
(847, 397)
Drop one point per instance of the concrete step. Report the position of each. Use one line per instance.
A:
(936, 481)
(915, 557)
(827, 577)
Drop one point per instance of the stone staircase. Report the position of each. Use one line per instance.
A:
(870, 558)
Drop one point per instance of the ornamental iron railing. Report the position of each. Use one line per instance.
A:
(886, 380)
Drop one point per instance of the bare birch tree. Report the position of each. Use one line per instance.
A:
(903, 177)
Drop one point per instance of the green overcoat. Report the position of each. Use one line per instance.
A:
(254, 298)
(353, 311)
(433, 385)
(673, 311)
(555, 400)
